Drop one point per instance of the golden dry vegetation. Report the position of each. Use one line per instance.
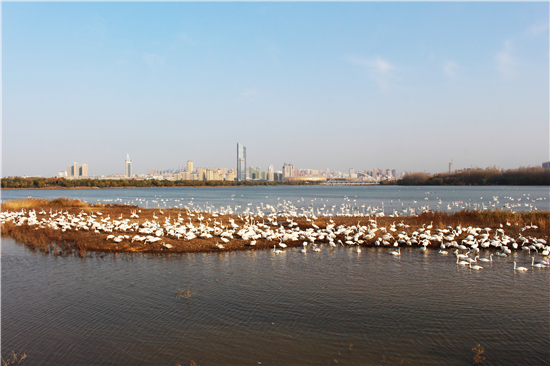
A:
(83, 242)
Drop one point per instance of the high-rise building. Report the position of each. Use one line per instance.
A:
(288, 170)
(189, 166)
(254, 173)
(128, 167)
(546, 165)
(241, 162)
(76, 170)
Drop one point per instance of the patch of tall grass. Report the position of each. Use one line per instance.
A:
(29, 203)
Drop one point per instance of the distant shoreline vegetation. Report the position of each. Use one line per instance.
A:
(60, 183)
(515, 177)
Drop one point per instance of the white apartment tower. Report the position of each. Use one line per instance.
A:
(128, 167)
(288, 170)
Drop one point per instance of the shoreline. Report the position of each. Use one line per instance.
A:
(277, 185)
(64, 226)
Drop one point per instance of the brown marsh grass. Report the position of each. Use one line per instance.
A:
(84, 243)
(30, 203)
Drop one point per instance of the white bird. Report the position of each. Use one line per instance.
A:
(476, 267)
(522, 269)
(537, 265)
(398, 252)
(485, 259)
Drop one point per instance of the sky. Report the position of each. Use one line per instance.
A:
(338, 85)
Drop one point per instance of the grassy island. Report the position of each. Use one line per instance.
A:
(63, 226)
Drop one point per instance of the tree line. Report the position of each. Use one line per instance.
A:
(34, 183)
(515, 177)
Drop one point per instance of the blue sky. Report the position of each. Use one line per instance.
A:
(406, 86)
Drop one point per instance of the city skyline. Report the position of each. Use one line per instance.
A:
(411, 86)
(287, 172)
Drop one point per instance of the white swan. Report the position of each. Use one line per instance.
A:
(398, 252)
(522, 269)
(536, 265)
(485, 259)
(476, 267)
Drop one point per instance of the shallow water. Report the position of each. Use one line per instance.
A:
(331, 199)
(278, 309)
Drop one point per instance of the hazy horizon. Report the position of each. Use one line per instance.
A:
(362, 85)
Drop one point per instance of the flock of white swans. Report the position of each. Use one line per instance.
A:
(350, 206)
(280, 227)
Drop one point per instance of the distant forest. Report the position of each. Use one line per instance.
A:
(516, 177)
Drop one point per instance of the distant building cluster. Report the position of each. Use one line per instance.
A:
(75, 171)
(287, 173)
(189, 172)
(546, 165)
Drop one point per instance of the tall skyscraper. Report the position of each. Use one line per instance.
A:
(241, 162)
(189, 166)
(288, 170)
(128, 167)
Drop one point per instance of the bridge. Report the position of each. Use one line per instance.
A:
(349, 182)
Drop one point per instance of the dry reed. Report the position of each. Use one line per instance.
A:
(84, 243)
(30, 203)
(478, 358)
(12, 359)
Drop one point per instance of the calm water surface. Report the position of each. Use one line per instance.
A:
(325, 199)
(244, 308)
